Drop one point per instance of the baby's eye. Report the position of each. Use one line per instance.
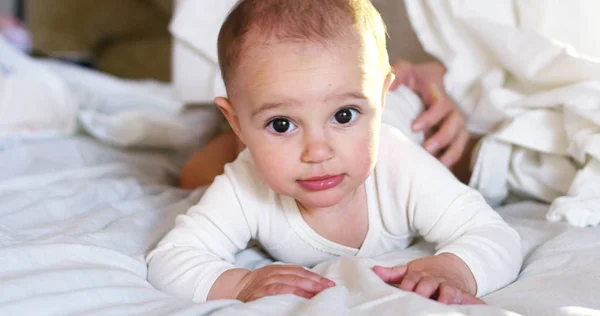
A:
(281, 126)
(345, 116)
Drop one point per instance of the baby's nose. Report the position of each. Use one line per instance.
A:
(317, 151)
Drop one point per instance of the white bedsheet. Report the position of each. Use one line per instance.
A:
(77, 217)
(42, 99)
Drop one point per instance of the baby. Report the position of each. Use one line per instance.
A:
(322, 177)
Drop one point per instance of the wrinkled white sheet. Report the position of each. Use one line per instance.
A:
(77, 217)
(46, 99)
(511, 68)
(24, 87)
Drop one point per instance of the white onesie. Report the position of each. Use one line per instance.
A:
(409, 194)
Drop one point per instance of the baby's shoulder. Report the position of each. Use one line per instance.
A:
(245, 181)
(242, 173)
(400, 158)
(395, 147)
(390, 134)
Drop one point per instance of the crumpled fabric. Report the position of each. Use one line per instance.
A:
(529, 79)
(41, 99)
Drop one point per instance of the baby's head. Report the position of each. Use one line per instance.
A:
(306, 81)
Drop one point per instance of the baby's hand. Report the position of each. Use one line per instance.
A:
(445, 278)
(281, 279)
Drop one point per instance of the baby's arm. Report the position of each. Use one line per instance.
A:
(195, 259)
(203, 244)
(459, 221)
(454, 217)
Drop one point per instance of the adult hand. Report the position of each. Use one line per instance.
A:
(442, 121)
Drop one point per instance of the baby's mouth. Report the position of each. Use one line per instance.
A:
(321, 182)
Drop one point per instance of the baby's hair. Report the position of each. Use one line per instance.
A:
(296, 21)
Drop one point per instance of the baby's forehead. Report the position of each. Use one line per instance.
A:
(284, 65)
(350, 47)
(306, 75)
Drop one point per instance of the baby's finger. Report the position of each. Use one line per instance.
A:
(410, 280)
(449, 130)
(456, 149)
(302, 283)
(451, 295)
(427, 286)
(432, 116)
(467, 299)
(390, 275)
(447, 294)
(307, 274)
(278, 289)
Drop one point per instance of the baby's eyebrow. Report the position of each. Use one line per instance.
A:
(347, 95)
(270, 106)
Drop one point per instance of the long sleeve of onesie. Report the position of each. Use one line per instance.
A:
(203, 243)
(445, 212)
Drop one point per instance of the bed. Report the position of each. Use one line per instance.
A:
(87, 189)
(77, 217)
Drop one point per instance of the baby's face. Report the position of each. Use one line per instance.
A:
(310, 116)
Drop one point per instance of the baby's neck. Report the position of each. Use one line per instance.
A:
(349, 202)
(345, 223)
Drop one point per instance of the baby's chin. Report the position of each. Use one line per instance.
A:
(320, 199)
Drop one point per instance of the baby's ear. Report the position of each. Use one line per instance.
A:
(389, 79)
(229, 112)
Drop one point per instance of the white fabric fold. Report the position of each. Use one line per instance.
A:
(49, 99)
(536, 98)
(34, 102)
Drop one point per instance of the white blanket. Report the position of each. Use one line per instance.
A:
(45, 99)
(77, 217)
(24, 88)
(509, 66)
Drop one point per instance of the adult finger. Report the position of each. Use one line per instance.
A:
(455, 150)
(427, 286)
(430, 92)
(446, 134)
(390, 275)
(410, 281)
(433, 115)
(405, 75)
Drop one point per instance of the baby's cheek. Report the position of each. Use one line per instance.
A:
(275, 163)
(363, 153)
